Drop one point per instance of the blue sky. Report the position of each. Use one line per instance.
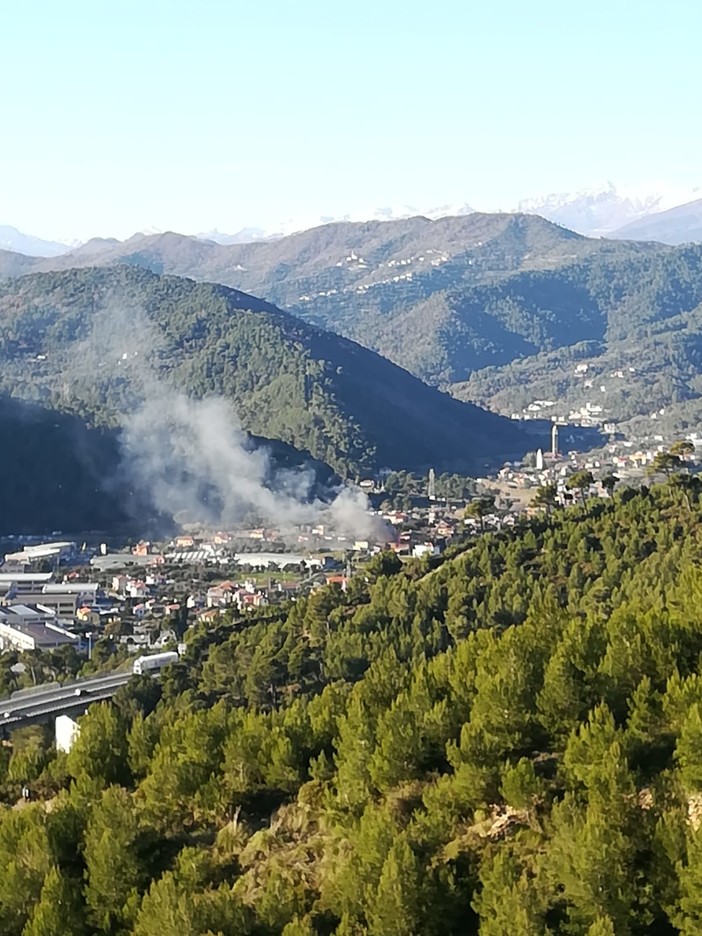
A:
(189, 115)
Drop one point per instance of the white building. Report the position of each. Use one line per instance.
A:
(39, 551)
(425, 549)
(280, 560)
(18, 582)
(67, 730)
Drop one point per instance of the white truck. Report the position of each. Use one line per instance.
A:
(154, 662)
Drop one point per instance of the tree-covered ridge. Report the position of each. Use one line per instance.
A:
(646, 322)
(508, 741)
(57, 474)
(472, 303)
(83, 340)
(617, 296)
(409, 289)
(341, 255)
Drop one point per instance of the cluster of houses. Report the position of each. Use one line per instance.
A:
(39, 613)
(422, 531)
(138, 596)
(592, 412)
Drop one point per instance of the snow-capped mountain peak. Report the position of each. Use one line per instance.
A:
(602, 209)
(16, 241)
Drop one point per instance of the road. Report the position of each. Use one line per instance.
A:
(29, 706)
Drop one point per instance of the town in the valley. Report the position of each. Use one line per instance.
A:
(106, 602)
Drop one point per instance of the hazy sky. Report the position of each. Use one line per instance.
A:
(194, 114)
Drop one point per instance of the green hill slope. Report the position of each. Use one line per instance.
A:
(428, 295)
(89, 341)
(504, 741)
(642, 344)
(490, 307)
(58, 474)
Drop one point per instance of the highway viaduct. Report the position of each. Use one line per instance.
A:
(30, 706)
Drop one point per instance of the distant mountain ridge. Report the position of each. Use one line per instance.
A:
(603, 210)
(348, 254)
(362, 216)
(490, 307)
(595, 212)
(425, 294)
(679, 225)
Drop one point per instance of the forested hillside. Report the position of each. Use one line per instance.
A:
(642, 342)
(94, 342)
(344, 256)
(488, 306)
(57, 474)
(507, 742)
(434, 296)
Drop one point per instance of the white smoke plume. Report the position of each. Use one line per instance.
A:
(191, 457)
(198, 466)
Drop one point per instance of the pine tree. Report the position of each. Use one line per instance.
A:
(299, 927)
(101, 751)
(688, 751)
(355, 743)
(580, 481)
(603, 926)
(664, 463)
(509, 900)
(521, 788)
(113, 871)
(546, 496)
(395, 909)
(167, 911)
(25, 862)
(352, 889)
(588, 745)
(689, 919)
(592, 852)
(59, 910)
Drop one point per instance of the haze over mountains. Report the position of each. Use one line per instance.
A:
(679, 225)
(12, 239)
(604, 210)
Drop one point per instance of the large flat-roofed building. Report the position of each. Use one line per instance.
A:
(84, 589)
(279, 560)
(62, 604)
(63, 598)
(18, 583)
(26, 579)
(36, 552)
(119, 561)
(31, 627)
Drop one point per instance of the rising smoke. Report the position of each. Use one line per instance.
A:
(190, 457)
(198, 466)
